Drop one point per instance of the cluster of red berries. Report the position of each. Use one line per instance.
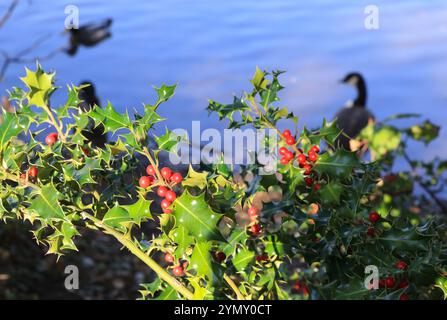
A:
(299, 287)
(51, 138)
(262, 258)
(373, 218)
(172, 178)
(253, 213)
(304, 162)
(178, 270)
(390, 283)
(32, 173)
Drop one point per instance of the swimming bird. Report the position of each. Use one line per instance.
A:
(89, 35)
(95, 135)
(354, 116)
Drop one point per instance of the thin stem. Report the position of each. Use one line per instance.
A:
(57, 125)
(130, 245)
(424, 186)
(155, 165)
(270, 125)
(233, 286)
(8, 12)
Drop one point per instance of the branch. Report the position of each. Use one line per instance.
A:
(233, 286)
(8, 12)
(130, 245)
(424, 186)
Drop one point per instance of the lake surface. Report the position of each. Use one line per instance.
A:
(211, 48)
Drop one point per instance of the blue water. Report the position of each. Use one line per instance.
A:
(211, 49)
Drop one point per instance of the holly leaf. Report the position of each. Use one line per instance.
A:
(258, 81)
(46, 204)
(197, 217)
(83, 175)
(338, 165)
(195, 179)
(330, 193)
(168, 141)
(242, 259)
(9, 129)
(201, 260)
(111, 119)
(118, 218)
(182, 239)
(165, 92)
(139, 211)
(168, 293)
(40, 85)
(237, 236)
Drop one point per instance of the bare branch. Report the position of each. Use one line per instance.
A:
(8, 12)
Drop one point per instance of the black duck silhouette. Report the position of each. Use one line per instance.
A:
(95, 135)
(354, 116)
(89, 35)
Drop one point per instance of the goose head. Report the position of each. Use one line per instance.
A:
(356, 80)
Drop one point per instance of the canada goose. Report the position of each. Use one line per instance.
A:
(89, 35)
(88, 98)
(354, 116)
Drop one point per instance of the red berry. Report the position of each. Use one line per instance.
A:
(297, 286)
(161, 191)
(145, 181)
(170, 196)
(166, 173)
(307, 169)
(169, 258)
(283, 150)
(150, 170)
(290, 141)
(51, 138)
(33, 171)
(165, 204)
(313, 156)
(168, 211)
(262, 258)
(289, 155)
(220, 256)
(286, 133)
(309, 181)
(374, 217)
(382, 283)
(317, 187)
(404, 296)
(403, 284)
(301, 158)
(315, 149)
(401, 265)
(389, 282)
(85, 151)
(255, 229)
(284, 161)
(176, 178)
(371, 232)
(253, 212)
(178, 271)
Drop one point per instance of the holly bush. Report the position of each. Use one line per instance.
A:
(305, 231)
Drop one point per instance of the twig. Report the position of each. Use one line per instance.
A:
(130, 245)
(8, 12)
(233, 286)
(423, 185)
